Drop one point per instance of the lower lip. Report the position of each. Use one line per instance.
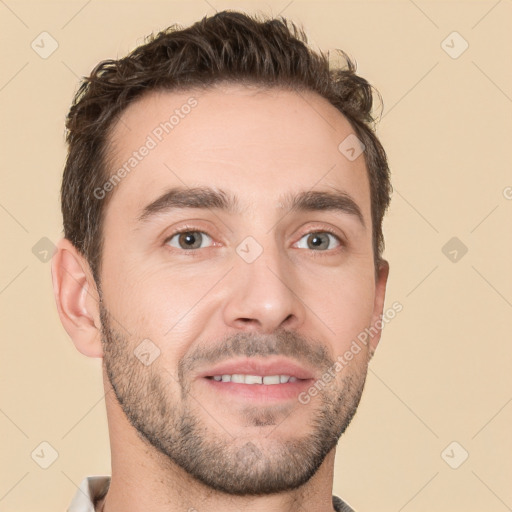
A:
(264, 392)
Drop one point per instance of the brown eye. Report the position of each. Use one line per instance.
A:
(189, 240)
(318, 241)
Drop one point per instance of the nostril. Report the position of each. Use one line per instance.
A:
(247, 320)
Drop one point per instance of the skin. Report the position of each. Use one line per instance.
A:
(299, 302)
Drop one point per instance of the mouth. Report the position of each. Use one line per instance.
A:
(267, 380)
(258, 379)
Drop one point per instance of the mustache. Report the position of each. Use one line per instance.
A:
(250, 344)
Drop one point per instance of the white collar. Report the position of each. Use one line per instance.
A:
(90, 489)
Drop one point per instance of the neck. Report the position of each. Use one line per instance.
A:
(144, 479)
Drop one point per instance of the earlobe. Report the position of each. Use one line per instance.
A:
(77, 298)
(378, 307)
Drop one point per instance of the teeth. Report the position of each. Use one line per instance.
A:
(240, 378)
(253, 379)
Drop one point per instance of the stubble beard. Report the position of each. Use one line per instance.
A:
(235, 464)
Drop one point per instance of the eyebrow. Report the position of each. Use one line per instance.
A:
(215, 199)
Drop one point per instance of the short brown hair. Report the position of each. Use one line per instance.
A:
(226, 47)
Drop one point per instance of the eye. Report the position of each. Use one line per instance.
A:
(318, 240)
(189, 240)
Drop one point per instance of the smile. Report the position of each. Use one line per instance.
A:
(240, 378)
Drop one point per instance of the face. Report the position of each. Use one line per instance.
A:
(237, 267)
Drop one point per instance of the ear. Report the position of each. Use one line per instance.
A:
(378, 306)
(77, 298)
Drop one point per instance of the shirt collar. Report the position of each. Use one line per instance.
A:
(93, 488)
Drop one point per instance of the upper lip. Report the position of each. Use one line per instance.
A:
(263, 367)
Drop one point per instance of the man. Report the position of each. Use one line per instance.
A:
(223, 198)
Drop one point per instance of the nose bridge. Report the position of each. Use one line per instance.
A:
(263, 295)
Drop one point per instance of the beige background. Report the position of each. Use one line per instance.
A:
(443, 370)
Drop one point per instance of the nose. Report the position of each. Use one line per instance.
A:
(265, 295)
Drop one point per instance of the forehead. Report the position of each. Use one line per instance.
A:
(257, 143)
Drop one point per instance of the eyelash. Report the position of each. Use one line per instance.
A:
(195, 252)
(328, 252)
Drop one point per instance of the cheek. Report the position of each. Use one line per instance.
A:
(141, 305)
(344, 303)
(163, 307)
